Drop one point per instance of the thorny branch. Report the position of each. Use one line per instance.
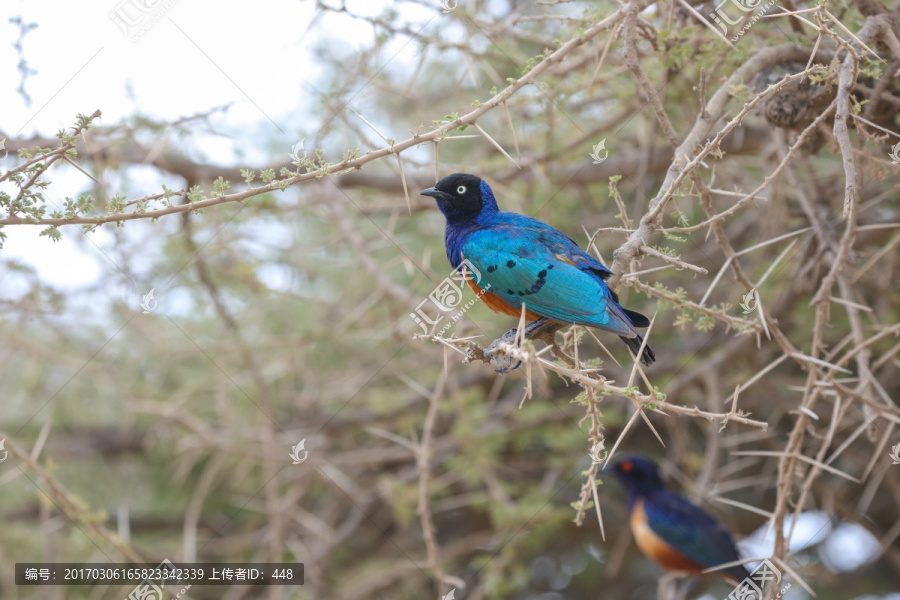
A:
(777, 245)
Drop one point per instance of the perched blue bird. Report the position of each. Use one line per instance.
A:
(522, 260)
(676, 534)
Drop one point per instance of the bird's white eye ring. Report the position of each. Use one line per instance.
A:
(461, 189)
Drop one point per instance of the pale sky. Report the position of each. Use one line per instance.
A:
(193, 57)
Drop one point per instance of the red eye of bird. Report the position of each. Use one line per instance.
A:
(627, 466)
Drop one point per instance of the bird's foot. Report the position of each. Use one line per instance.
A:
(542, 329)
(504, 363)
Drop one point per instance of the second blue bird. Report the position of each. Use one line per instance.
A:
(669, 529)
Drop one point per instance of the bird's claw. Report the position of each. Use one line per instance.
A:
(502, 361)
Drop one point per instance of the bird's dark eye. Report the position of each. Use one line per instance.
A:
(461, 189)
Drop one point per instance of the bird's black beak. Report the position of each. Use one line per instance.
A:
(435, 193)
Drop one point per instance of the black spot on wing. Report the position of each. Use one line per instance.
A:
(539, 283)
(510, 263)
(492, 268)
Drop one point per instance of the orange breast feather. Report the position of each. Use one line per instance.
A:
(655, 547)
(498, 304)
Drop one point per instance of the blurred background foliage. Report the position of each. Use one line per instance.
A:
(285, 317)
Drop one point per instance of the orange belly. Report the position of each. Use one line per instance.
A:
(655, 547)
(498, 304)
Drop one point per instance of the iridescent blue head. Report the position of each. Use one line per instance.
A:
(462, 197)
(639, 475)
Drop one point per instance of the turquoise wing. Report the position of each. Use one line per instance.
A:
(533, 266)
